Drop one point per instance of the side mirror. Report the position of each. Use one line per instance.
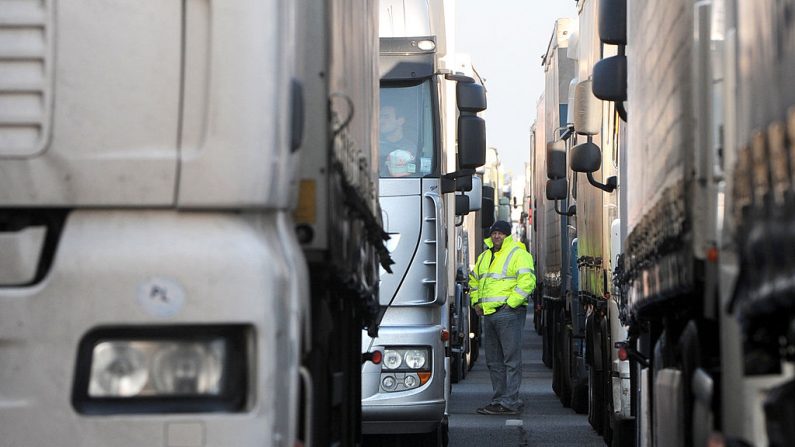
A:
(587, 110)
(557, 189)
(471, 142)
(556, 160)
(610, 78)
(461, 205)
(475, 194)
(586, 157)
(613, 22)
(470, 97)
(487, 210)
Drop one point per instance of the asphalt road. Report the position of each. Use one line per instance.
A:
(544, 421)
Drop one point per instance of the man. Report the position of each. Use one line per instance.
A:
(500, 285)
(394, 144)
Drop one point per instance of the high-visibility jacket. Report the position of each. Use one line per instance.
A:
(505, 277)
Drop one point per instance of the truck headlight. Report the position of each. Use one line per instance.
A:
(150, 368)
(161, 369)
(392, 359)
(415, 358)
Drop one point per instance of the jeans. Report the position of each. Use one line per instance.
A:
(502, 333)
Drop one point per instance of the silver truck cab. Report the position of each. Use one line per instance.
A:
(419, 168)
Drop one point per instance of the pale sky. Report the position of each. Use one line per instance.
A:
(506, 39)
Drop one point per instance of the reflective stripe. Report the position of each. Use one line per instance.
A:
(521, 292)
(493, 299)
(508, 261)
(525, 270)
(473, 289)
(497, 276)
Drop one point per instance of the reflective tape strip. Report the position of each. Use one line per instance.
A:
(473, 289)
(508, 261)
(493, 299)
(521, 292)
(525, 270)
(497, 276)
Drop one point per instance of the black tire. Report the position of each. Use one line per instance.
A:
(567, 387)
(623, 433)
(474, 343)
(607, 382)
(555, 329)
(579, 397)
(456, 367)
(595, 376)
(437, 438)
(691, 359)
(547, 334)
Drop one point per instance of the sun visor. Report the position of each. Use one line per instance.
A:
(406, 67)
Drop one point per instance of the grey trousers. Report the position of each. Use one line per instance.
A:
(502, 333)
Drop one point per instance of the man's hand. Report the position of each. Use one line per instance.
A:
(478, 310)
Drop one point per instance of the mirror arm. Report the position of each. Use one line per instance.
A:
(569, 213)
(610, 186)
(459, 220)
(567, 133)
(622, 111)
(459, 173)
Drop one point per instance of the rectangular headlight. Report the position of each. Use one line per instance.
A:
(161, 369)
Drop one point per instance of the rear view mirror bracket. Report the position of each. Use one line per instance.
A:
(610, 186)
(572, 210)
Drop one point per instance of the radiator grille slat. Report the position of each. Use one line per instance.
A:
(26, 57)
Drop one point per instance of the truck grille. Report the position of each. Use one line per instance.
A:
(26, 31)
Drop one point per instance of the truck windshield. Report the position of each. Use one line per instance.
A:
(406, 146)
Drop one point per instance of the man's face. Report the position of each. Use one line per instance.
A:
(497, 237)
(389, 122)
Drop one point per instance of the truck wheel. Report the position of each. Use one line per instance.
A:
(596, 398)
(607, 383)
(691, 359)
(474, 342)
(565, 367)
(547, 334)
(455, 367)
(623, 433)
(437, 438)
(579, 397)
(556, 352)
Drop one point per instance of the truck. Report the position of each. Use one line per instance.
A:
(697, 128)
(153, 287)
(431, 142)
(581, 318)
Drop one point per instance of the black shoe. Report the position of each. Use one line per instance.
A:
(489, 409)
(500, 410)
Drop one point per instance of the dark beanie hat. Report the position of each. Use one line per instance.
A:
(501, 226)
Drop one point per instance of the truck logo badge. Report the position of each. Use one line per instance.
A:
(161, 297)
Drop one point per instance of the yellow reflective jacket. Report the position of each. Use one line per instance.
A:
(507, 276)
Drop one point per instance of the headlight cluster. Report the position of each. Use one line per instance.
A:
(159, 369)
(152, 368)
(405, 368)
